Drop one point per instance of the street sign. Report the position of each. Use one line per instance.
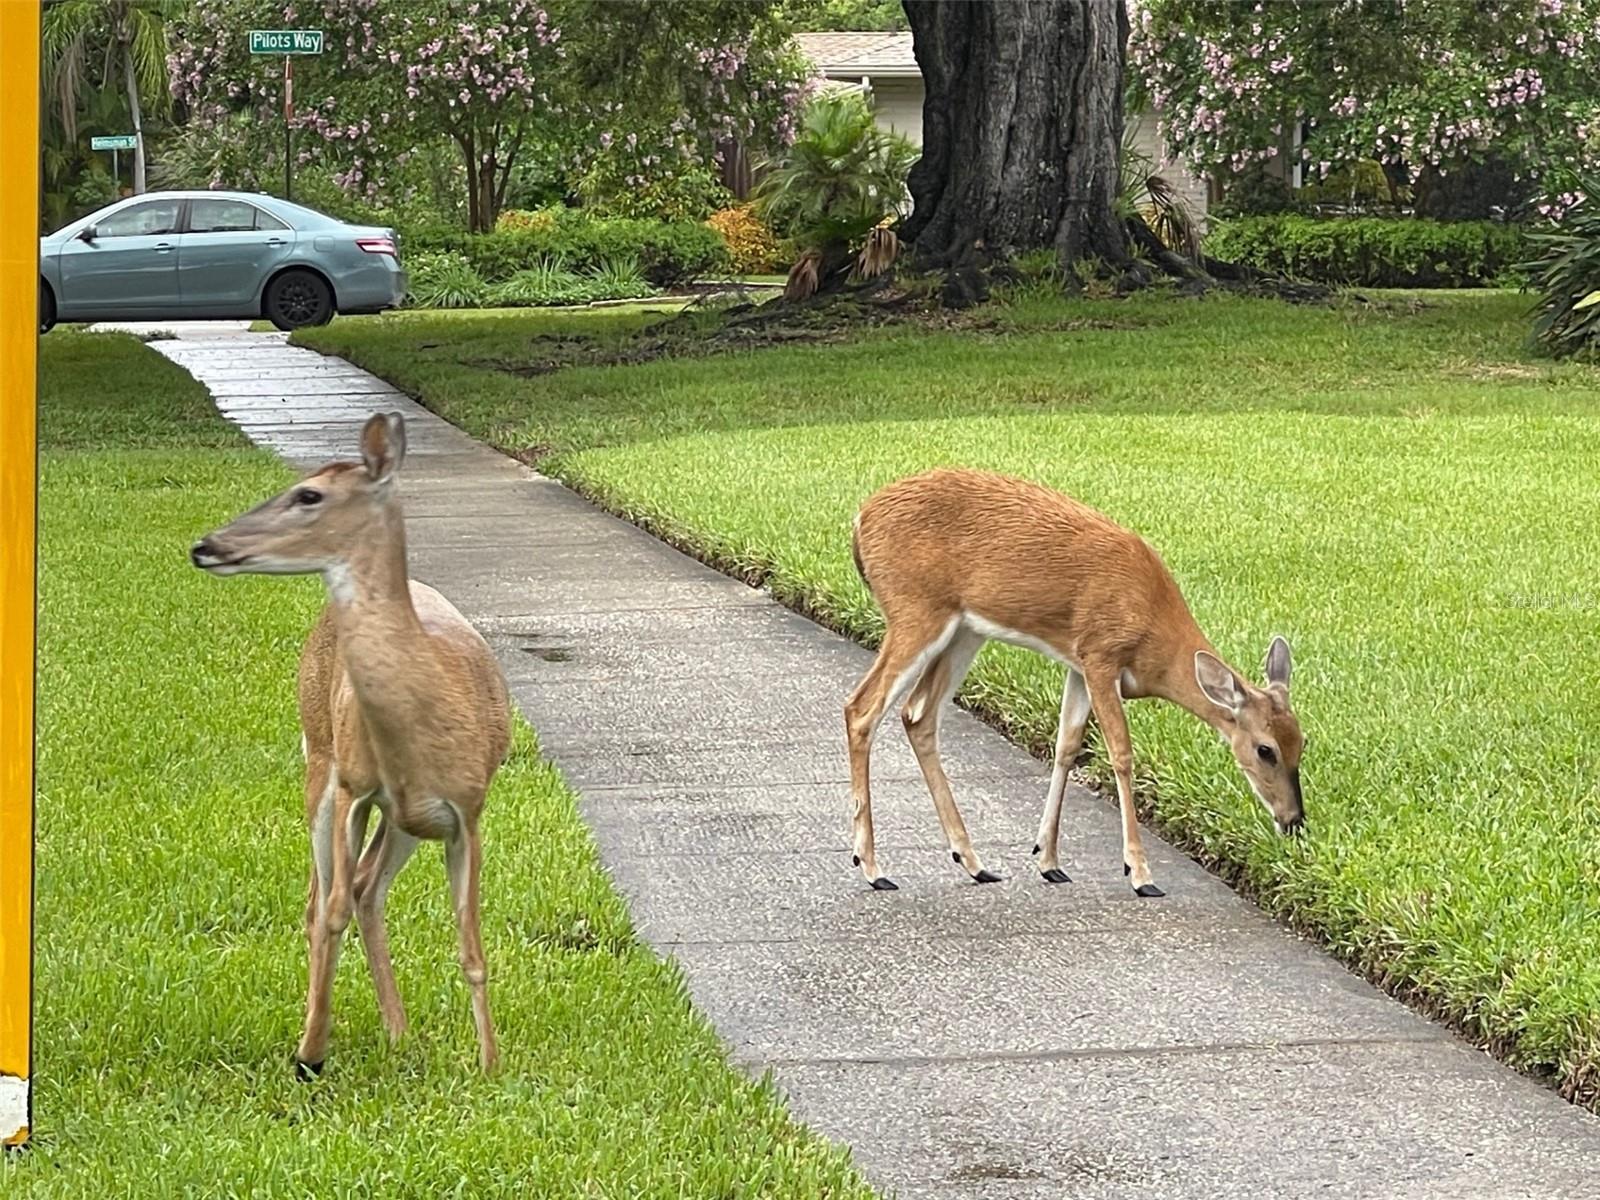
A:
(122, 141)
(286, 41)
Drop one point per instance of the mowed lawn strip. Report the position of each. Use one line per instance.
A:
(1395, 486)
(171, 889)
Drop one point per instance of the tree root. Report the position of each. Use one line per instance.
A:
(1213, 274)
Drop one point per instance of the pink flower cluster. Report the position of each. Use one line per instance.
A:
(1520, 87)
(1512, 79)
(486, 75)
(1557, 207)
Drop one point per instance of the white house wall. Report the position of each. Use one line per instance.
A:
(897, 105)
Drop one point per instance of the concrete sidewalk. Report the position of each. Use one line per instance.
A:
(1014, 1040)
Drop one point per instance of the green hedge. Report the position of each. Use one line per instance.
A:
(667, 252)
(1372, 251)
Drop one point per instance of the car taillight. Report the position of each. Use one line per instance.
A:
(377, 245)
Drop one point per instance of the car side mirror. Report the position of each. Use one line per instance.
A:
(86, 234)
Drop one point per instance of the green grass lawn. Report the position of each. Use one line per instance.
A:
(1397, 488)
(171, 874)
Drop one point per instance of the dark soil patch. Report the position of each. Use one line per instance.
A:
(699, 332)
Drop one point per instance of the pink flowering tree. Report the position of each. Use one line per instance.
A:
(1430, 88)
(672, 88)
(637, 89)
(392, 77)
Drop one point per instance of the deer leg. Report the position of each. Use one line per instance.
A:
(335, 865)
(921, 719)
(1114, 728)
(367, 866)
(320, 774)
(901, 660)
(463, 852)
(1069, 738)
(390, 849)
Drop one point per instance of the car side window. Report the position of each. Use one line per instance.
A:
(229, 216)
(141, 220)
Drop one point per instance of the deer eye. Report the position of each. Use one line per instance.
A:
(308, 497)
(1267, 755)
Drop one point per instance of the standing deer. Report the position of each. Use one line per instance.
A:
(402, 706)
(956, 557)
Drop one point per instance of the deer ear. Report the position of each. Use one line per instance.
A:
(1217, 681)
(1278, 663)
(383, 445)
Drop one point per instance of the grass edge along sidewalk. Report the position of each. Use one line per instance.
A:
(172, 887)
(1375, 507)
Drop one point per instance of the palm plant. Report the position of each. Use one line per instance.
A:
(1150, 197)
(77, 179)
(834, 189)
(130, 39)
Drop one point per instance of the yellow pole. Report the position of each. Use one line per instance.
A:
(19, 350)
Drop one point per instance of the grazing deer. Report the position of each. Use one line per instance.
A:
(403, 708)
(956, 557)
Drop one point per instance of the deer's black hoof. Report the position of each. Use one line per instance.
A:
(305, 1072)
(1148, 891)
(1056, 875)
(986, 876)
(884, 884)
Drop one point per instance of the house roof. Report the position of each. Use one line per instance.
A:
(852, 55)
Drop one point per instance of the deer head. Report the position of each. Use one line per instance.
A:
(1261, 729)
(314, 526)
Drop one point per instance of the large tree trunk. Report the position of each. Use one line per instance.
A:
(134, 107)
(1021, 129)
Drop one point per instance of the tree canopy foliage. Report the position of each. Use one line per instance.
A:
(1427, 87)
(641, 90)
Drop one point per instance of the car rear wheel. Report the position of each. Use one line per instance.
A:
(47, 308)
(296, 299)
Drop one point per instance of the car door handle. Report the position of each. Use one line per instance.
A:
(276, 242)
(163, 247)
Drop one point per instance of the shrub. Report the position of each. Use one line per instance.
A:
(667, 252)
(1255, 193)
(842, 176)
(546, 282)
(753, 248)
(1372, 251)
(616, 186)
(444, 280)
(1360, 184)
(620, 279)
(835, 191)
(1565, 275)
(521, 220)
(550, 281)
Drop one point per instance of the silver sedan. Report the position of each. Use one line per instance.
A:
(215, 255)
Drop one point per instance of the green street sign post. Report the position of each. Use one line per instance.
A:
(120, 141)
(287, 42)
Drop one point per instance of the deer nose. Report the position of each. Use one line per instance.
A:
(202, 553)
(1293, 825)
